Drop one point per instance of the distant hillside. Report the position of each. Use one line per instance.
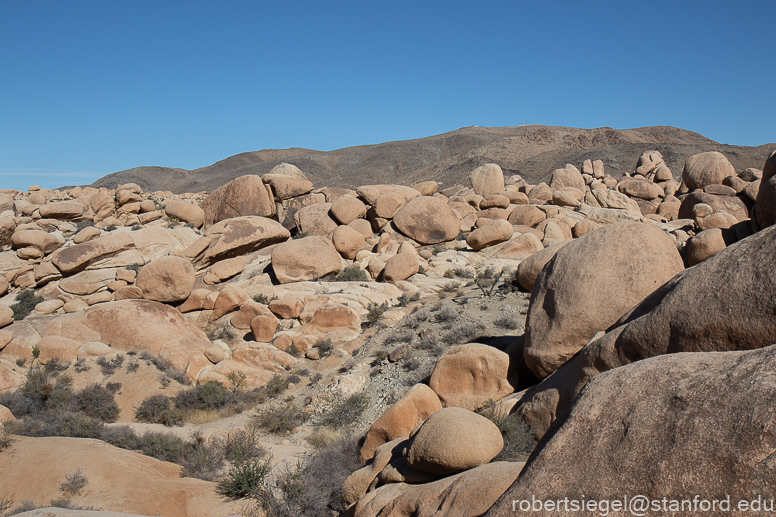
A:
(531, 151)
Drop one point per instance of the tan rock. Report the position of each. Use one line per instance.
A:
(334, 316)
(470, 375)
(6, 415)
(243, 196)
(566, 177)
(370, 193)
(166, 279)
(164, 332)
(583, 227)
(225, 269)
(494, 201)
(62, 210)
(388, 204)
(303, 259)
(286, 187)
(49, 306)
(128, 292)
(6, 315)
(264, 327)
(38, 239)
(185, 211)
(526, 215)
(401, 267)
(348, 242)
(582, 289)
(29, 253)
(487, 180)
(519, 247)
(315, 220)
(229, 299)
(427, 220)
(57, 347)
(75, 305)
(426, 188)
(247, 312)
(453, 440)
(195, 301)
(706, 244)
(75, 258)
(496, 231)
(288, 307)
(285, 169)
(411, 410)
(235, 237)
(706, 169)
(347, 209)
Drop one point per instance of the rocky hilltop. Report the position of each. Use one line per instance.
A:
(530, 151)
(276, 348)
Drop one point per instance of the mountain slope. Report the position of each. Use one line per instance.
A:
(531, 151)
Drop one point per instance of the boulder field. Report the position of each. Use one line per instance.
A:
(643, 365)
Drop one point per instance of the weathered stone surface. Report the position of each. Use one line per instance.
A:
(286, 187)
(348, 241)
(487, 180)
(616, 200)
(137, 325)
(185, 211)
(225, 269)
(229, 299)
(303, 259)
(235, 237)
(453, 440)
(287, 308)
(400, 267)
(468, 376)
(732, 205)
(706, 169)
(426, 188)
(315, 220)
(706, 244)
(347, 209)
(243, 196)
(166, 279)
(765, 205)
(519, 247)
(38, 239)
(529, 268)
(526, 215)
(736, 313)
(370, 193)
(589, 284)
(62, 210)
(427, 220)
(332, 317)
(264, 327)
(696, 402)
(76, 258)
(496, 231)
(567, 177)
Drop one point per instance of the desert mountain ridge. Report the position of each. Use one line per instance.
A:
(533, 151)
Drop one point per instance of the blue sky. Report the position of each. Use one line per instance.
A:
(93, 87)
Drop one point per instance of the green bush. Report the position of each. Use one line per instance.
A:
(276, 386)
(163, 446)
(374, 312)
(157, 409)
(346, 411)
(279, 419)
(212, 395)
(352, 274)
(203, 461)
(97, 402)
(25, 303)
(244, 478)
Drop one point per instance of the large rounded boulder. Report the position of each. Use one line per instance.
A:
(303, 259)
(706, 169)
(765, 206)
(166, 279)
(245, 195)
(589, 284)
(453, 440)
(487, 180)
(428, 220)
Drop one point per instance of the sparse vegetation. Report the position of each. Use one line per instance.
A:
(110, 227)
(406, 298)
(375, 312)
(519, 438)
(507, 322)
(345, 411)
(157, 409)
(25, 303)
(459, 334)
(109, 366)
(279, 419)
(82, 225)
(276, 386)
(173, 222)
(299, 235)
(261, 298)
(352, 274)
(74, 483)
(134, 267)
(136, 227)
(446, 314)
(325, 347)
(244, 478)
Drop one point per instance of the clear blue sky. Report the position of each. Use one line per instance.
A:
(93, 87)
